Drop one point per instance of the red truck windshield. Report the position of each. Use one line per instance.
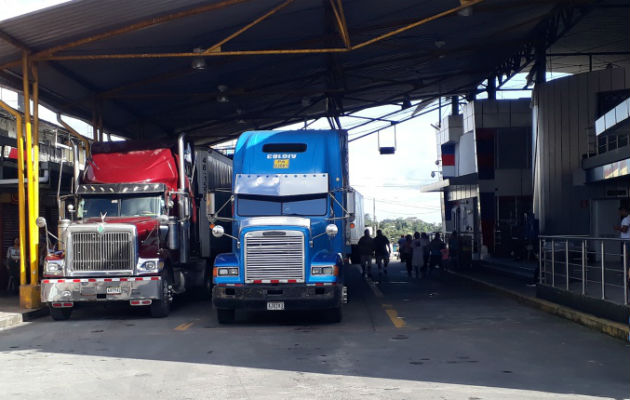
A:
(114, 206)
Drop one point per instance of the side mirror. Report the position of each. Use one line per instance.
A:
(332, 230)
(210, 205)
(218, 231)
(40, 222)
(350, 204)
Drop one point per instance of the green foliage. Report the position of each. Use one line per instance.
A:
(393, 228)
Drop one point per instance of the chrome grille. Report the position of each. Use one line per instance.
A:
(107, 251)
(274, 255)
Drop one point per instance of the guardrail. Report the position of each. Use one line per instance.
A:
(591, 266)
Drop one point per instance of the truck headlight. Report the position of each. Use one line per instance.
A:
(327, 270)
(53, 267)
(230, 271)
(149, 266)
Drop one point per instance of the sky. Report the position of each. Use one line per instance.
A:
(13, 8)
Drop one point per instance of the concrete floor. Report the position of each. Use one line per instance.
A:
(400, 339)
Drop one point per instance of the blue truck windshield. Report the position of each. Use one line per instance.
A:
(255, 206)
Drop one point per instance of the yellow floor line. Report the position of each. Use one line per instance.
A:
(377, 292)
(396, 320)
(184, 326)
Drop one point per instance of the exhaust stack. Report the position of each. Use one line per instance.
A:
(184, 223)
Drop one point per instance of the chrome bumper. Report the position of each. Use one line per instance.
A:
(96, 289)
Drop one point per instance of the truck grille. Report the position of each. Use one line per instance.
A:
(274, 255)
(108, 251)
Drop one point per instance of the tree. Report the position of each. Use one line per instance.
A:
(393, 228)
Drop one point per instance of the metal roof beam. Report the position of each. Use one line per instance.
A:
(217, 46)
(49, 54)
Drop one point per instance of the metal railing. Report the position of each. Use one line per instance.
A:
(590, 266)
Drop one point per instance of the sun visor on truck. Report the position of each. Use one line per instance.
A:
(281, 185)
(121, 188)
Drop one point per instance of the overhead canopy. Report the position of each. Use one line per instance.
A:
(273, 62)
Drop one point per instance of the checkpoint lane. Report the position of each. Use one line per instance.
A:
(457, 342)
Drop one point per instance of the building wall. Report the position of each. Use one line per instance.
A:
(564, 113)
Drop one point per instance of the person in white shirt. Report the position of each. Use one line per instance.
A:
(13, 266)
(624, 227)
(624, 232)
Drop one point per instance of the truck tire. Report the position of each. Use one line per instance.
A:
(204, 293)
(60, 314)
(225, 315)
(161, 308)
(334, 315)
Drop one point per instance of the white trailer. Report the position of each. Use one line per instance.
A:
(356, 227)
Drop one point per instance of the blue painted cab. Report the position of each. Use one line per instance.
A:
(290, 224)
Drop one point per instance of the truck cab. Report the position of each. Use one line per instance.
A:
(133, 231)
(290, 222)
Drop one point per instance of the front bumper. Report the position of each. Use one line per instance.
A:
(294, 296)
(96, 289)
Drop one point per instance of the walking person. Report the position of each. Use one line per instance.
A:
(401, 243)
(417, 254)
(453, 251)
(435, 258)
(424, 242)
(13, 267)
(366, 249)
(381, 251)
(408, 251)
(624, 233)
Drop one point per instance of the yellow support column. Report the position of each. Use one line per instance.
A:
(21, 199)
(35, 273)
(29, 294)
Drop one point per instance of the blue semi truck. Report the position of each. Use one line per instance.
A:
(293, 212)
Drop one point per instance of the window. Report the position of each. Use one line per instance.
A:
(129, 206)
(251, 206)
(284, 147)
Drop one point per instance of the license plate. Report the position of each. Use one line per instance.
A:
(113, 290)
(275, 305)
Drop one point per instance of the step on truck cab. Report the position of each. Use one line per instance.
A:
(136, 229)
(293, 208)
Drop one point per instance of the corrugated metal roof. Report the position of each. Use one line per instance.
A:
(449, 55)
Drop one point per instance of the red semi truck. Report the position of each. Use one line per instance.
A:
(136, 229)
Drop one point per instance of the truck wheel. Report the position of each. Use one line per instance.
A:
(161, 308)
(204, 292)
(60, 314)
(334, 315)
(225, 316)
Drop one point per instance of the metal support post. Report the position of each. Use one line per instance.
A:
(454, 105)
(29, 293)
(625, 273)
(21, 199)
(540, 261)
(566, 264)
(583, 267)
(35, 71)
(492, 88)
(603, 257)
(553, 263)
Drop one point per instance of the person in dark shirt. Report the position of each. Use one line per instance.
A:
(366, 249)
(453, 250)
(381, 251)
(436, 246)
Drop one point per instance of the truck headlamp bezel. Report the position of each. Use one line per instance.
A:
(324, 270)
(54, 267)
(149, 266)
(227, 271)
